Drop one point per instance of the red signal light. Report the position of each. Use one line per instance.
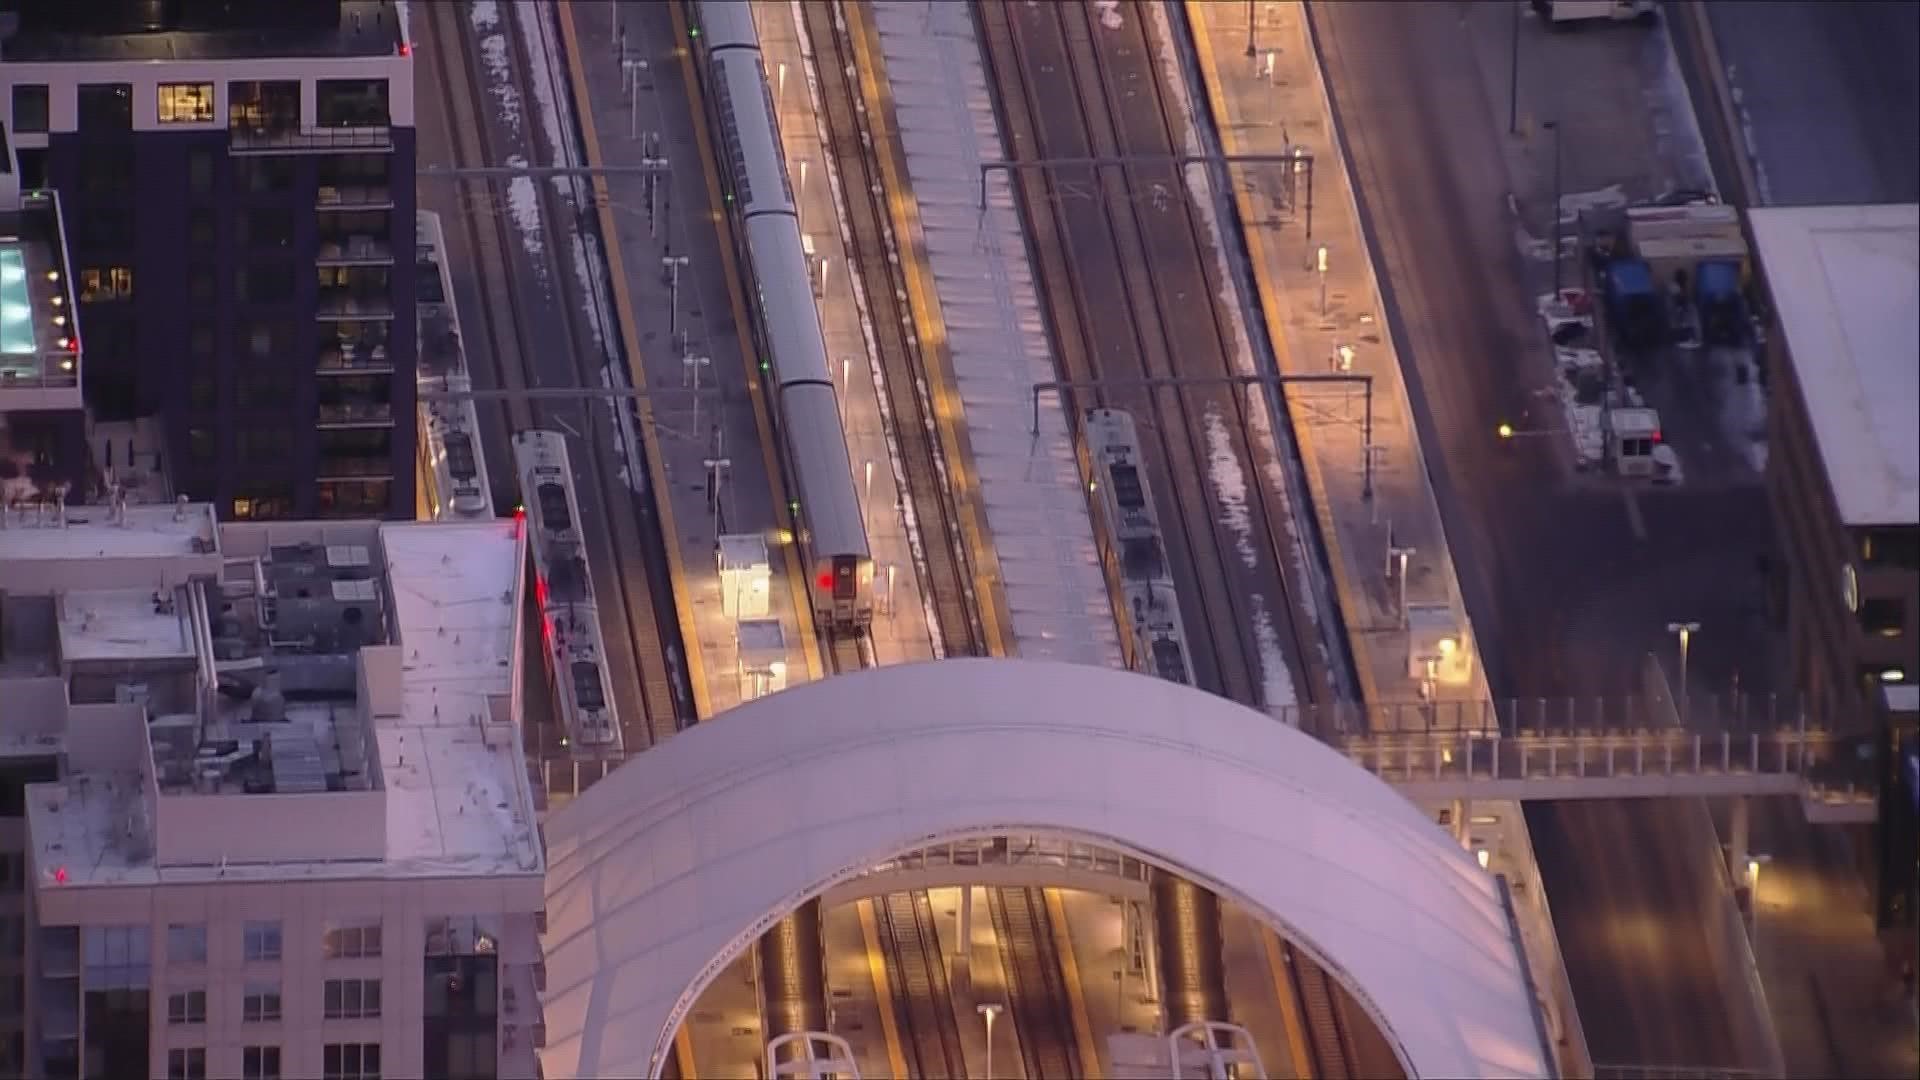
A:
(406, 49)
(1656, 434)
(825, 579)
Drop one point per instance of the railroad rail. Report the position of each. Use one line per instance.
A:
(525, 300)
(1036, 990)
(916, 968)
(1329, 1043)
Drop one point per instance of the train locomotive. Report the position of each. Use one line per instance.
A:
(1133, 527)
(829, 517)
(570, 620)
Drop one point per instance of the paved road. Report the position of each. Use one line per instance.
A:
(1836, 117)
(1569, 582)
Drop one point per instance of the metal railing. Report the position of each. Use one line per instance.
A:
(353, 249)
(1028, 851)
(354, 197)
(347, 304)
(244, 139)
(354, 468)
(1509, 717)
(355, 412)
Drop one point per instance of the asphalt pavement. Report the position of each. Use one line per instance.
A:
(1570, 582)
(1835, 118)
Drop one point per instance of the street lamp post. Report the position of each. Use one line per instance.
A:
(988, 1012)
(1685, 631)
(1753, 899)
(1554, 126)
(1252, 49)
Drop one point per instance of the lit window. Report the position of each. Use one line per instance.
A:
(102, 283)
(186, 103)
(243, 508)
(352, 942)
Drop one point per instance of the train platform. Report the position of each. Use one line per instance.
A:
(678, 310)
(1026, 483)
(902, 631)
(1311, 316)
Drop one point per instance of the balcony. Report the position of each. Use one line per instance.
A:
(354, 251)
(355, 414)
(354, 360)
(343, 469)
(354, 197)
(343, 303)
(249, 140)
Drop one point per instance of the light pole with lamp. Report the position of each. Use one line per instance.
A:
(1554, 126)
(1753, 899)
(989, 1011)
(1685, 630)
(1252, 49)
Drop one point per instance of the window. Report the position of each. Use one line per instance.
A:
(104, 283)
(265, 175)
(271, 389)
(1891, 547)
(260, 1063)
(186, 103)
(187, 1007)
(261, 1004)
(263, 106)
(264, 283)
(350, 1061)
(260, 339)
(268, 228)
(33, 167)
(471, 1055)
(202, 394)
(201, 232)
(200, 342)
(108, 228)
(1884, 616)
(352, 999)
(106, 173)
(356, 941)
(200, 172)
(355, 498)
(30, 112)
(353, 170)
(262, 940)
(187, 1063)
(260, 446)
(106, 107)
(200, 284)
(350, 102)
(187, 943)
(266, 502)
(200, 445)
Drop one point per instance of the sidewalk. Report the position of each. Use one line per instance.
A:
(700, 311)
(902, 632)
(1257, 114)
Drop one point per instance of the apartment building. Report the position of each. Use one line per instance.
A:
(263, 806)
(237, 179)
(41, 422)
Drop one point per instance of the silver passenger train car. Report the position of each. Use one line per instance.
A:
(453, 472)
(563, 587)
(1133, 526)
(830, 519)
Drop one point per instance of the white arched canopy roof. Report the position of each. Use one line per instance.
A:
(669, 868)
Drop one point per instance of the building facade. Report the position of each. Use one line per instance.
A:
(236, 195)
(263, 809)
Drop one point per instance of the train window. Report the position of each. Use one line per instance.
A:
(843, 585)
(1126, 487)
(460, 461)
(587, 692)
(554, 513)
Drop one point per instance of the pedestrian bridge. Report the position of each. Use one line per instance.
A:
(1634, 747)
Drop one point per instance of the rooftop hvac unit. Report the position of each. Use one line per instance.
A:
(344, 555)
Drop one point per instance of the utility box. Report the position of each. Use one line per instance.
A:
(763, 658)
(1436, 637)
(746, 576)
(1631, 438)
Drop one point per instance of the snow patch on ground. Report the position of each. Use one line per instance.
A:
(1676, 128)
(535, 30)
(523, 203)
(493, 52)
(1230, 487)
(485, 14)
(1109, 12)
(1276, 682)
(586, 254)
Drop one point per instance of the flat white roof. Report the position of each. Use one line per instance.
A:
(124, 624)
(148, 532)
(457, 795)
(670, 867)
(1846, 282)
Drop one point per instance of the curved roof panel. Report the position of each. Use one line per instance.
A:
(668, 869)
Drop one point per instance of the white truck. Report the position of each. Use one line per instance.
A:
(1561, 12)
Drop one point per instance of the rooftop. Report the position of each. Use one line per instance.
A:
(106, 30)
(50, 548)
(1844, 280)
(361, 697)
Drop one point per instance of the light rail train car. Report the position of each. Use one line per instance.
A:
(563, 588)
(453, 472)
(830, 517)
(1126, 507)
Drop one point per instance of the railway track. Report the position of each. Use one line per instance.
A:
(900, 369)
(1036, 990)
(529, 307)
(1329, 1042)
(1130, 281)
(910, 945)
